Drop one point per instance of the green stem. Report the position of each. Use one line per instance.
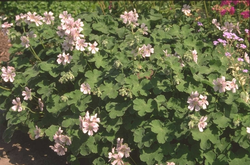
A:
(34, 53)
(132, 160)
(30, 110)
(205, 7)
(4, 88)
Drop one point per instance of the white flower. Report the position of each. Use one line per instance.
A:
(195, 57)
(85, 88)
(89, 124)
(8, 74)
(17, 105)
(48, 17)
(64, 58)
(248, 129)
(246, 57)
(93, 48)
(203, 102)
(27, 94)
(146, 51)
(186, 10)
(202, 124)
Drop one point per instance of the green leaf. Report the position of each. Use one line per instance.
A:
(110, 90)
(116, 109)
(142, 107)
(55, 105)
(99, 161)
(157, 127)
(221, 120)
(93, 77)
(8, 133)
(51, 131)
(100, 26)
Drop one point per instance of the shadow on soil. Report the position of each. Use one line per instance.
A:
(24, 151)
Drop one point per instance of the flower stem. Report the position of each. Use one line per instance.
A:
(132, 160)
(205, 7)
(34, 53)
(5, 88)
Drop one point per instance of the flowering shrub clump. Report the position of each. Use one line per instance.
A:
(172, 82)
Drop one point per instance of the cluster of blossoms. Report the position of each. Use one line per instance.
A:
(146, 51)
(60, 142)
(5, 27)
(227, 6)
(121, 150)
(222, 85)
(130, 18)
(71, 31)
(89, 123)
(64, 58)
(196, 101)
(34, 18)
(8, 73)
(186, 10)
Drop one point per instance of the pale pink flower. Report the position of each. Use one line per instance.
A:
(202, 124)
(8, 74)
(117, 158)
(248, 129)
(186, 10)
(93, 48)
(17, 105)
(40, 104)
(5, 27)
(37, 132)
(59, 149)
(64, 16)
(233, 85)
(123, 149)
(64, 58)
(27, 94)
(85, 88)
(144, 29)
(48, 17)
(194, 102)
(221, 85)
(25, 41)
(20, 18)
(146, 51)
(195, 57)
(203, 102)
(130, 18)
(89, 124)
(81, 44)
(170, 163)
(34, 18)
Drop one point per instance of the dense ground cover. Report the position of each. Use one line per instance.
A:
(130, 82)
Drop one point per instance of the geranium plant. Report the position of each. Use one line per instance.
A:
(168, 88)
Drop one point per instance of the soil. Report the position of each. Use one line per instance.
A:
(24, 151)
